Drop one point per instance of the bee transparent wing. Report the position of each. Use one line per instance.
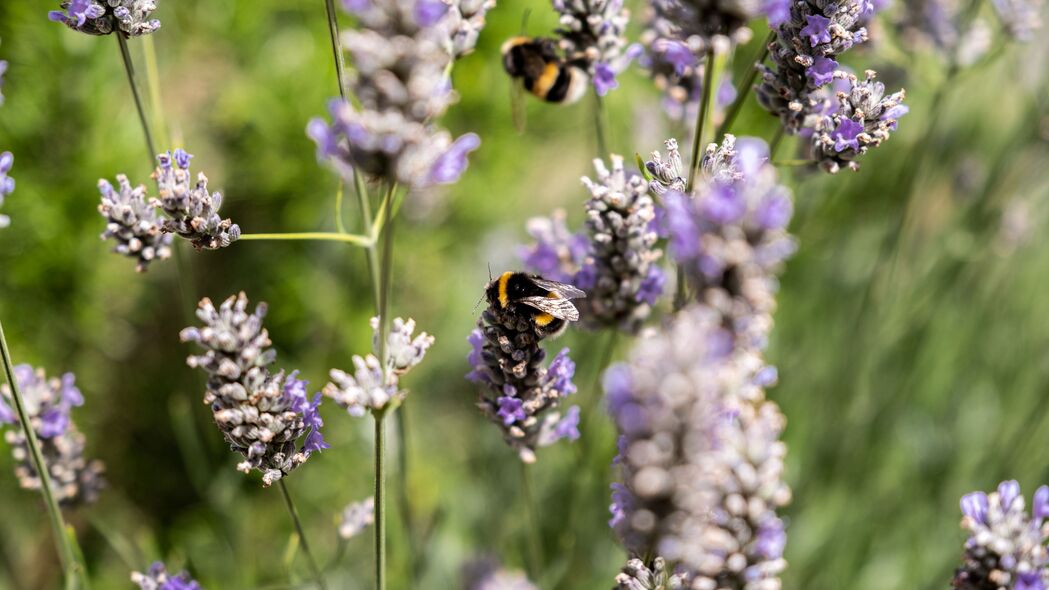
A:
(518, 108)
(565, 290)
(557, 307)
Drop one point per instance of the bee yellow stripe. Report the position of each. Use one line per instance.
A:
(543, 319)
(504, 298)
(546, 80)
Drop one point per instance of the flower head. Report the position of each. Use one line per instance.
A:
(158, 578)
(356, 517)
(635, 575)
(102, 17)
(486, 574)
(191, 209)
(132, 222)
(556, 252)
(464, 20)
(594, 32)
(864, 119)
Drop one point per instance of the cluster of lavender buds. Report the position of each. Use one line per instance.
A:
(356, 517)
(262, 415)
(520, 394)
(373, 386)
(7, 184)
(49, 404)
(157, 578)
(638, 576)
(700, 457)
(101, 17)
(943, 25)
(465, 20)
(1006, 548)
(192, 211)
(401, 57)
(132, 223)
(556, 252)
(1020, 17)
(487, 574)
(620, 275)
(698, 24)
(729, 236)
(594, 32)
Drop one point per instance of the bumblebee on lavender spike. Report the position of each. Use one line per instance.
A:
(545, 304)
(543, 71)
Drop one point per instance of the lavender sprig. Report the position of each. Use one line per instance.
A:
(556, 252)
(7, 184)
(464, 22)
(865, 118)
(49, 403)
(486, 574)
(132, 223)
(356, 517)
(102, 17)
(594, 32)
(158, 578)
(638, 576)
(192, 210)
(262, 415)
(946, 27)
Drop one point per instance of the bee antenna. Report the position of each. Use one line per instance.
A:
(489, 271)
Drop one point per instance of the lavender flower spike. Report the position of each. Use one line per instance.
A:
(865, 118)
(130, 18)
(486, 574)
(49, 404)
(594, 31)
(1020, 17)
(7, 184)
(132, 223)
(372, 386)
(262, 415)
(637, 576)
(556, 253)
(356, 517)
(464, 21)
(192, 211)
(158, 578)
(1006, 544)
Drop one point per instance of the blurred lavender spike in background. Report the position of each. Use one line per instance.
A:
(356, 517)
(133, 223)
(1020, 17)
(49, 404)
(485, 573)
(7, 184)
(465, 20)
(158, 578)
(261, 415)
(192, 211)
(102, 17)
(1006, 547)
(556, 252)
(635, 575)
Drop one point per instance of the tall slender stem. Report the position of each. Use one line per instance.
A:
(535, 541)
(745, 88)
(380, 500)
(386, 271)
(599, 126)
(357, 240)
(705, 108)
(72, 568)
(336, 46)
(317, 576)
(153, 83)
(130, 69)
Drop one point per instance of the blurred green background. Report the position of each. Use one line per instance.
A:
(912, 335)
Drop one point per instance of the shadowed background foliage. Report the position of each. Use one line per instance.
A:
(912, 334)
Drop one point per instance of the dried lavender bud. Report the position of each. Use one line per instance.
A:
(464, 22)
(261, 415)
(946, 27)
(730, 235)
(3, 70)
(49, 404)
(1006, 547)
(371, 387)
(700, 456)
(637, 576)
(356, 517)
(157, 578)
(401, 80)
(594, 31)
(7, 184)
(518, 392)
(864, 119)
(620, 276)
(132, 223)
(1020, 17)
(557, 253)
(102, 17)
(192, 211)
(487, 574)
(667, 172)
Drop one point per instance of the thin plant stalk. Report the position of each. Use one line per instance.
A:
(72, 568)
(153, 82)
(130, 69)
(599, 126)
(777, 139)
(336, 46)
(339, 225)
(745, 88)
(380, 499)
(705, 109)
(317, 575)
(535, 541)
(356, 240)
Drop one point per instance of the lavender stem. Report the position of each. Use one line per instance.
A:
(356, 240)
(317, 576)
(535, 542)
(701, 118)
(336, 46)
(745, 88)
(130, 69)
(599, 126)
(380, 500)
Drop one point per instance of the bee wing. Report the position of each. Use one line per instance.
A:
(565, 290)
(559, 308)
(518, 108)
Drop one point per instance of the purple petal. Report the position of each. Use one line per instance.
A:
(975, 506)
(451, 165)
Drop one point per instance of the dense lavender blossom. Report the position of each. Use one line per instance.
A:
(620, 275)
(356, 517)
(700, 456)
(557, 253)
(401, 57)
(192, 211)
(730, 236)
(947, 27)
(518, 393)
(1020, 17)
(637, 576)
(101, 17)
(1006, 548)
(464, 21)
(49, 404)
(132, 223)
(261, 415)
(864, 119)
(698, 23)
(7, 184)
(372, 386)
(487, 574)
(594, 31)
(157, 578)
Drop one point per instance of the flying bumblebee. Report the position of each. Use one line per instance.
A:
(545, 303)
(542, 70)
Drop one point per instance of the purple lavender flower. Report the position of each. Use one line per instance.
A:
(636, 575)
(158, 578)
(192, 210)
(7, 184)
(594, 32)
(556, 253)
(102, 17)
(1020, 17)
(133, 223)
(356, 517)
(821, 71)
(485, 573)
(864, 119)
(49, 404)
(464, 21)
(451, 164)
(511, 409)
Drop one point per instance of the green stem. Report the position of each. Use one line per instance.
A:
(153, 83)
(705, 108)
(535, 542)
(73, 569)
(336, 46)
(317, 576)
(776, 140)
(130, 69)
(380, 500)
(745, 88)
(339, 225)
(354, 239)
(591, 404)
(599, 126)
(386, 270)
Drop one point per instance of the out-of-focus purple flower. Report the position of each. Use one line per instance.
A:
(356, 517)
(429, 12)
(511, 410)
(772, 539)
(451, 164)
(652, 285)
(722, 205)
(3, 70)
(158, 578)
(604, 78)
(846, 135)
(568, 426)
(477, 373)
(777, 11)
(676, 54)
(560, 373)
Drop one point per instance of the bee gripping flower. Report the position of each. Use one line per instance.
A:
(158, 578)
(132, 222)
(130, 18)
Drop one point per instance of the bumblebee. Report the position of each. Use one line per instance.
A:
(545, 303)
(542, 70)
